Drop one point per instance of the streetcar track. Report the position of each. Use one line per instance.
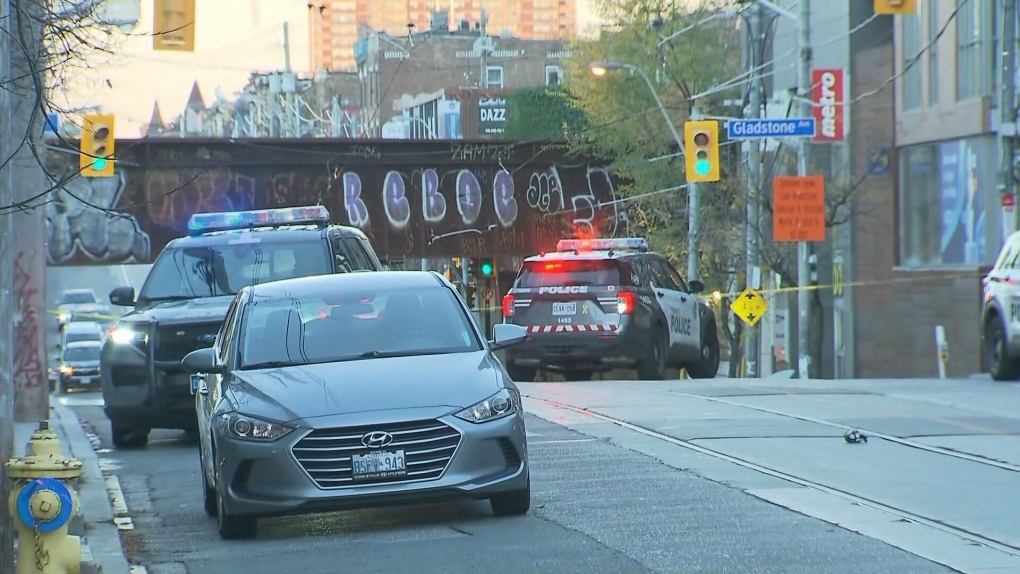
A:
(962, 533)
(870, 433)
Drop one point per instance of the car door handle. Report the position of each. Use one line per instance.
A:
(660, 293)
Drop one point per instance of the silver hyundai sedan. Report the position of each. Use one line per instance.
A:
(351, 391)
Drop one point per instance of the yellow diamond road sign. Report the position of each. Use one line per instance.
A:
(750, 306)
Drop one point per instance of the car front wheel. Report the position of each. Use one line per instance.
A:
(1001, 366)
(232, 526)
(512, 503)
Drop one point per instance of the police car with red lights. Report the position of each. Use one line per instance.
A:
(601, 304)
(189, 291)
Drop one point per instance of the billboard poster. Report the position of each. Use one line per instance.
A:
(963, 205)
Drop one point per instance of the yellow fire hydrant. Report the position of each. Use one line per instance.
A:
(42, 503)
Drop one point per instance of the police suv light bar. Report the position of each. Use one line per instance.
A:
(225, 221)
(617, 244)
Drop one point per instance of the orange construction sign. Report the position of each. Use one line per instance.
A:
(798, 208)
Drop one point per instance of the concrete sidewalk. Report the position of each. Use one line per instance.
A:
(101, 545)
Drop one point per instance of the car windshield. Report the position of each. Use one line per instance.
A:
(215, 270)
(564, 273)
(82, 336)
(283, 331)
(77, 298)
(76, 354)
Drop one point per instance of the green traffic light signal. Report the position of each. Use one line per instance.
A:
(702, 166)
(99, 163)
(486, 268)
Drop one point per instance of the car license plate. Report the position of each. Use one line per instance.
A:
(380, 464)
(560, 309)
(196, 381)
(88, 380)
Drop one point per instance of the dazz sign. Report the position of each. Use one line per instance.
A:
(493, 114)
(827, 96)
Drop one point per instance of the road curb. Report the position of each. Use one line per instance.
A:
(102, 551)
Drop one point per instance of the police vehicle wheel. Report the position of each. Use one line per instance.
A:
(521, 374)
(708, 366)
(578, 374)
(127, 435)
(1000, 365)
(653, 366)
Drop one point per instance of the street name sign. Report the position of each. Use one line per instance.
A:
(771, 128)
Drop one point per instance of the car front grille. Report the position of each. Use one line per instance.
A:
(92, 372)
(173, 342)
(428, 446)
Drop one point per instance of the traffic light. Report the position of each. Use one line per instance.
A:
(97, 146)
(895, 7)
(173, 26)
(471, 295)
(469, 266)
(702, 153)
(486, 267)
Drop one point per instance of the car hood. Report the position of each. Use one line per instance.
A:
(83, 308)
(288, 394)
(193, 310)
(82, 364)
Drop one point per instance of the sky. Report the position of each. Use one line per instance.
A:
(232, 39)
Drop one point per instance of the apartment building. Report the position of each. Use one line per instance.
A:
(334, 24)
(419, 79)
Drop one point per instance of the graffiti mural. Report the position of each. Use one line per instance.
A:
(412, 199)
(83, 221)
(29, 372)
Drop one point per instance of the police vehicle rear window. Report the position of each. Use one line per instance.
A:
(565, 273)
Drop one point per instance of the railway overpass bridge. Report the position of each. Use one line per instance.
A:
(415, 199)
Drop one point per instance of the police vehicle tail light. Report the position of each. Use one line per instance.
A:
(617, 244)
(225, 221)
(625, 302)
(508, 306)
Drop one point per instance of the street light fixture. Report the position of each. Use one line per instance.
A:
(602, 68)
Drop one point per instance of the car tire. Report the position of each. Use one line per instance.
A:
(521, 374)
(1000, 365)
(513, 503)
(127, 435)
(209, 501)
(708, 366)
(578, 374)
(61, 388)
(232, 526)
(653, 366)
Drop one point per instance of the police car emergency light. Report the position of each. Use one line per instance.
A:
(618, 244)
(225, 221)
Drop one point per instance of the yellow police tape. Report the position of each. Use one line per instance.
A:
(79, 316)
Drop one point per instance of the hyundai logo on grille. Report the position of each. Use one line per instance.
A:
(377, 439)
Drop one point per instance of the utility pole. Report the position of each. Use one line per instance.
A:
(803, 165)
(752, 354)
(483, 51)
(7, 534)
(693, 201)
(1007, 107)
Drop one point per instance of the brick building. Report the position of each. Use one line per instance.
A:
(334, 24)
(435, 83)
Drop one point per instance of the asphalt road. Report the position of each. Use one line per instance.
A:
(597, 507)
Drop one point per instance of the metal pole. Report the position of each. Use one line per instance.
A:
(7, 534)
(1007, 107)
(752, 354)
(693, 211)
(484, 81)
(803, 165)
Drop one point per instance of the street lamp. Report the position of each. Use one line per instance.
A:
(602, 68)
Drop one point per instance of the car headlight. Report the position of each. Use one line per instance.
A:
(250, 428)
(504, 403)
(126, 336)
(66, 369)
(63, 316)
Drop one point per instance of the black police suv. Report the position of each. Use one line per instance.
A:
(600, 304)
(186, 295)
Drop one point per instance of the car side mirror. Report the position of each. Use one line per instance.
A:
(506, 335)
(203, 361)
(696, 286)
(123, 296)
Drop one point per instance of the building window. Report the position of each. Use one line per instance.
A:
(494, 77)
(933, 53)
(973, 51)
(911, 70)
(553, 76)
(945, 203)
